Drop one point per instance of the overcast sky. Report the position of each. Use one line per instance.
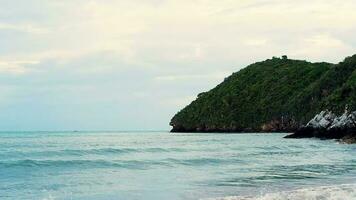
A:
(132, 64)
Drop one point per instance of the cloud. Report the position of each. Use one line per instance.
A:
(27, 28)
(16, 67)
(321, 46)
(325, 41)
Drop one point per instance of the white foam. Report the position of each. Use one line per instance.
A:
(338, 192)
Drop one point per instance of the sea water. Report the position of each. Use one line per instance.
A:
(165, 166)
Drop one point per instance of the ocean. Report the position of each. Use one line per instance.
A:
(165, 166)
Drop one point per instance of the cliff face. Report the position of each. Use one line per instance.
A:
(271, 96)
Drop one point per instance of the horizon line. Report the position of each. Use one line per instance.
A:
(1, 131)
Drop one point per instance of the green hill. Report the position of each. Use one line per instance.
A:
(278, 94)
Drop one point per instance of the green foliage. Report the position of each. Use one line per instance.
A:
(269, 90)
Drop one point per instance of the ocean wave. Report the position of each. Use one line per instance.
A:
(335, 192)
(203, 161)
(130, 164)
(83, 152)
(102, 163)
(80, 152)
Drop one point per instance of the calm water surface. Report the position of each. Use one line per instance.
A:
(160, 165)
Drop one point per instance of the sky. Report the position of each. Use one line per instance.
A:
(132, 64)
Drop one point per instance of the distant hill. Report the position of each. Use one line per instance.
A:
(278, 94)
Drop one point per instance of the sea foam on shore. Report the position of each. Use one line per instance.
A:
(335, 192)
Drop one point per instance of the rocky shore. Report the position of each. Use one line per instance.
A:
(327, 125)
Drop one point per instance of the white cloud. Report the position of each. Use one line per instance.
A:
(325, 41)
(178, 30)
(16, 67)
(323, 47)
(28, 28)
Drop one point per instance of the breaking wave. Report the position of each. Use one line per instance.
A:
(335, 192)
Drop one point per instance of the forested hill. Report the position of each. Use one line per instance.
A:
(278, 94)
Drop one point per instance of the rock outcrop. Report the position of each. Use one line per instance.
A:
(326, 125)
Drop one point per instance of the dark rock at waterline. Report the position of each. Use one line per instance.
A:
(350, 138)
(327, 125)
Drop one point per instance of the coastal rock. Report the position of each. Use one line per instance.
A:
(344, 121)
(327, 125)
(322, 120)
(283, 124)
(349, 139)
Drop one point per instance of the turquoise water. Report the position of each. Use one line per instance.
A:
(160, 165)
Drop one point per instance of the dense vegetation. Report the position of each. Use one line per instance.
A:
(278, 94)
